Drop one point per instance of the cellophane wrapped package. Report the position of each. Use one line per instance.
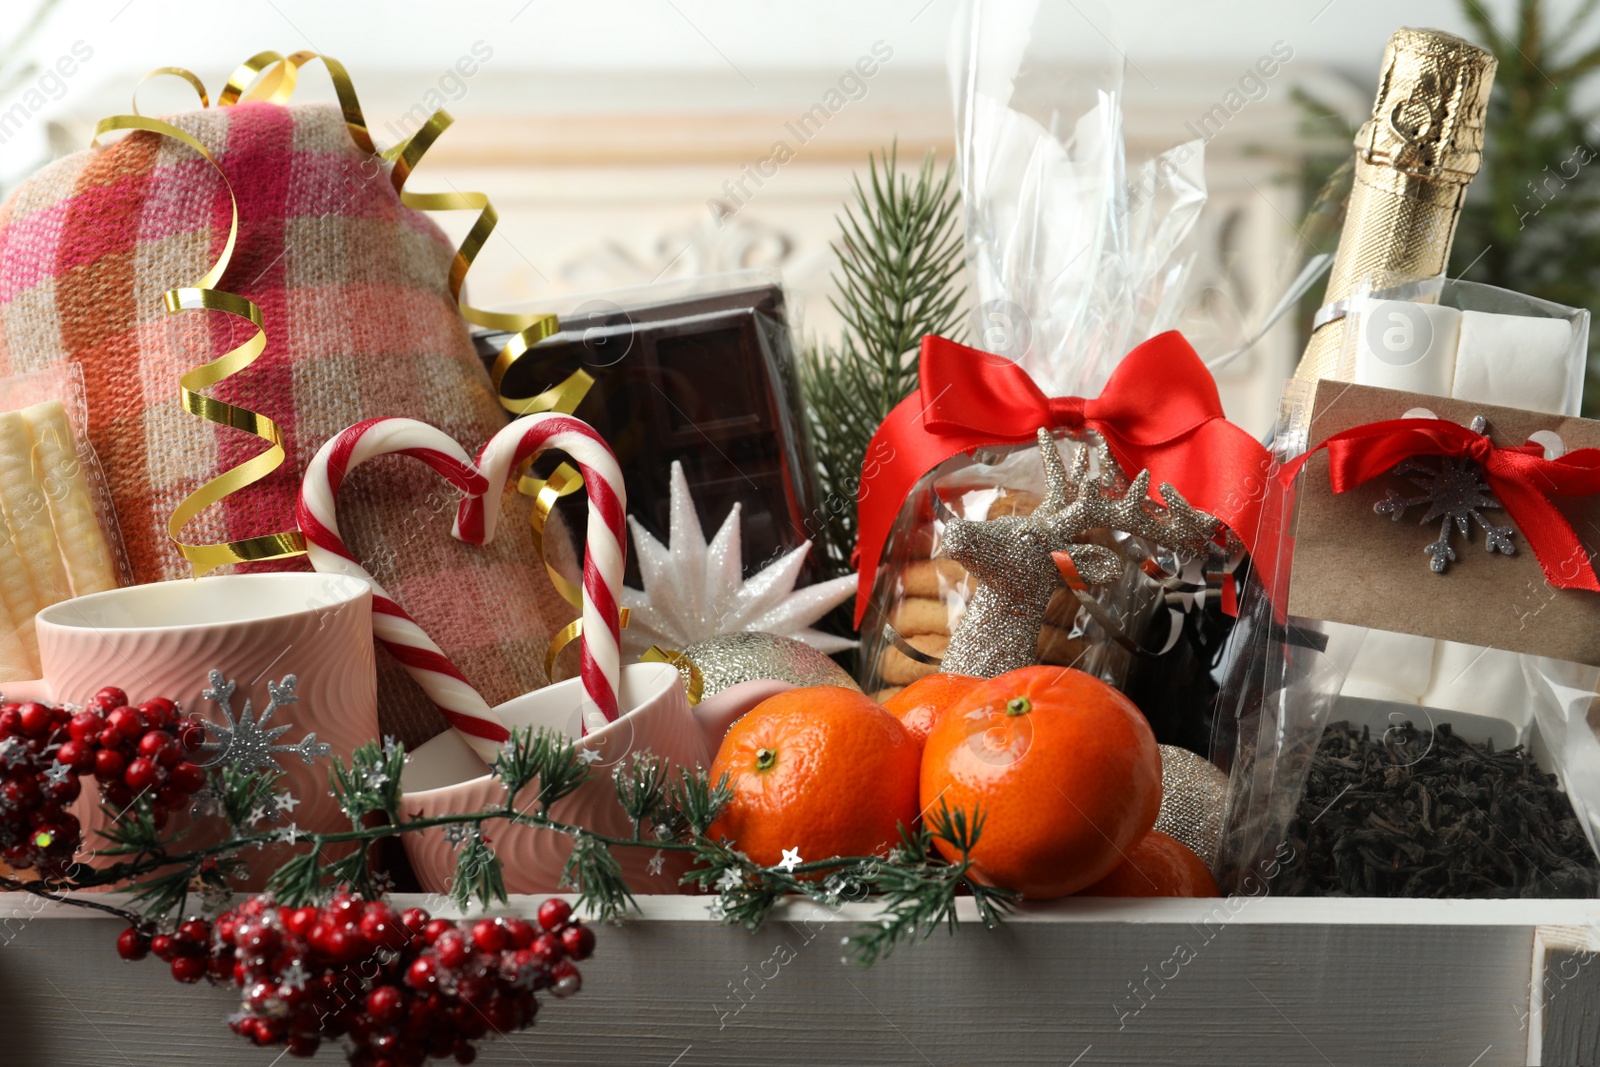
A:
(1075, 256)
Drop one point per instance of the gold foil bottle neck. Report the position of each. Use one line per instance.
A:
(1414, 159)
(1433, 96)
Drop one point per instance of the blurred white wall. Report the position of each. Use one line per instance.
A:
(605, 128)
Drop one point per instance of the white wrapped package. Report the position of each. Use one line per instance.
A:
(1409, 346)
(1515, 361)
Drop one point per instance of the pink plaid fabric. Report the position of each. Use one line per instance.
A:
(359, 321)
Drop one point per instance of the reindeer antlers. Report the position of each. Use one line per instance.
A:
(1102, 501)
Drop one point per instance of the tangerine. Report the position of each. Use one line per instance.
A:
(1063, 768)
(919, 705)
(1158, 866)
(822, 771)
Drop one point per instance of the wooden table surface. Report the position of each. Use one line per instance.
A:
(1243, 981)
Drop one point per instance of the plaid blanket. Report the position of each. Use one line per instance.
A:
(359, 322)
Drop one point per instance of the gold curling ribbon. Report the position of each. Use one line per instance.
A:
(204, 295)
(272, 77)
(694, 681)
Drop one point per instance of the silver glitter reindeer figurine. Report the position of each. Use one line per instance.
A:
(1012, 557)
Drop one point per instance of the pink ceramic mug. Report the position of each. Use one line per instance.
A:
(444, 776)
(164, 639)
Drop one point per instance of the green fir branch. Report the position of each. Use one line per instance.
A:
(898, 280)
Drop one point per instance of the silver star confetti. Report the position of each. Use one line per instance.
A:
(290, 833)
(657, 862)
(10, 750)
(294, 976)
(376, 780)
(456, 835)
(390, 747)
(791, 859)
(1012, 557)
(1455, 490)
(730, 880)
(589, 755)
(525, 976)
(58, 772)
(286, 802)
(248, 743)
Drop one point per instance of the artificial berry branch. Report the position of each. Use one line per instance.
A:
(669, 812)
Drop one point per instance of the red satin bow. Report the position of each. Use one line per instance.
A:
(1520, 476)
(1159, 411)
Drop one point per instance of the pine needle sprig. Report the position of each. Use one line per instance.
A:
(898, 280)
(920, 895)
(478, 874)
(596, 875)
(544, 755)
(642, 786)
(371, 783)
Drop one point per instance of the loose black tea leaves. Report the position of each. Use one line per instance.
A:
(1420, 814)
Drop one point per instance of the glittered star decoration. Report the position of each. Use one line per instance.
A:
(730, 880)
(695, 590)
(791, 859)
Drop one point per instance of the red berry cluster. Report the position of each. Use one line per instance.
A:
(402, 986)
(129, 749)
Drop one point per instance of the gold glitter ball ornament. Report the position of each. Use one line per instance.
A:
(729, 659)
(1193, 792)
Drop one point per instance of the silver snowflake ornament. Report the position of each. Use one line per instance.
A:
(1455, 490)
(248, 743)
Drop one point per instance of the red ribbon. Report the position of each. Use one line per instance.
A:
(1158, 412)
(1521, 477)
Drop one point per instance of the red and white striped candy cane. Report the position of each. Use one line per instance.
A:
(445, 685)
(600, 657)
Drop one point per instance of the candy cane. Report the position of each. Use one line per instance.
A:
(444, 684)
(600, 657)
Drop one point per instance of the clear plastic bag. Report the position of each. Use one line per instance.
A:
(1075, 257)
(58, 529)
(1405, 675)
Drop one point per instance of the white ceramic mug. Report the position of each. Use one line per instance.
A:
(444, 776)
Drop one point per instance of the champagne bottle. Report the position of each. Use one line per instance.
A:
(1414, 159)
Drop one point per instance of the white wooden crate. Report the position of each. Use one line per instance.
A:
(1080, 982)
